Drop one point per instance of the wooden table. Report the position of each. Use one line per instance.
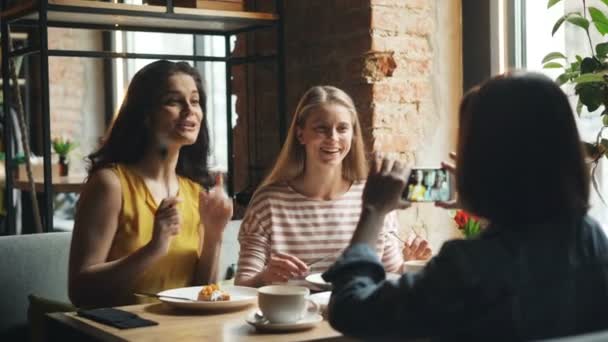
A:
(180, 326)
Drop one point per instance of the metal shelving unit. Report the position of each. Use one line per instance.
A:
(42, 14)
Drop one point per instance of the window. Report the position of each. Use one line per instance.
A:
(530, 27)
(213, 76)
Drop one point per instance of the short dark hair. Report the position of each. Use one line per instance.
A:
(129, 134)
(520, 158)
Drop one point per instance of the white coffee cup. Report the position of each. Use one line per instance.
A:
(284, 303)
(413, 266)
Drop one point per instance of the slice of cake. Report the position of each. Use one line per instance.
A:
(212, 293)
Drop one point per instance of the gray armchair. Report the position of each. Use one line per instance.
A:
(30, 264)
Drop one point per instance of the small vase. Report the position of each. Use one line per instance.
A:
(64, 167)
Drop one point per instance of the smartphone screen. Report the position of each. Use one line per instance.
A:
(428, 185)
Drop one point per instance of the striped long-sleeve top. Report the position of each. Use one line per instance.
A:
(279, 219)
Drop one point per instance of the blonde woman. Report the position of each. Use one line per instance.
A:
(307, 209)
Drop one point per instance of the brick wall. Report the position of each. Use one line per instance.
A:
(76, 92)
(256, 135)
(413, 113)
(399, 60)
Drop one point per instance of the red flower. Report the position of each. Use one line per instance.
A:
(469, 224)
(461, 218)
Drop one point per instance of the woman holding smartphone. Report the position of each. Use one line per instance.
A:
(306, 210)
(539, 270)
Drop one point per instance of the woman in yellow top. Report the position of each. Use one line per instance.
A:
(416, 189)
(144, 221)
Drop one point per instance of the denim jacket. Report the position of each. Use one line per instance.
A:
(512, 283)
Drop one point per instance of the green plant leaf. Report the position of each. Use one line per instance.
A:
(558, 24)
(589, 65)
(574, 18)
(579, 21)
(552, 56)
(552, 65)
(605, 120)
(552, 2)
(63, 146)
(601, 27)
(604, 143)
(579, 106)
(599, 20)
(562, 79)
(605, 2)
(590, 93)
(601, 49)
(587, 78)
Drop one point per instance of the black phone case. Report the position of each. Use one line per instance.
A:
(116, 318)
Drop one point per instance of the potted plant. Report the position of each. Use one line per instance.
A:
(588, 74)
(63, 146)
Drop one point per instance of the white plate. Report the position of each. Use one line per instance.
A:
(316, 279)
(260, 323)
(240, 296)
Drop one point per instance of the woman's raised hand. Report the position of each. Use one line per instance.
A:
(281, 267)
(167, 223)
(385, 185)
(215, 209)
(453, 203)
(417, 249)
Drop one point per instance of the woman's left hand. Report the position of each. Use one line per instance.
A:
(215, 209)
(451, 168)
(417, 249)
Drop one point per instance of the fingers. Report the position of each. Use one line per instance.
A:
(169, 202)
(376, 163)
(402, 171)
(300, 265)
(276, 275)
(449, 166)
(407, 252)
(219, 180)
(404, 204)
(168, 209)
(417, 249)
(283, 267)
(453, 204)
(387, 166)
(453, 156)
(169, 221)
(215, 202)
(419, 245)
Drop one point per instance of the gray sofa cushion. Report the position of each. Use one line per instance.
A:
(38, 264)
(31, 264)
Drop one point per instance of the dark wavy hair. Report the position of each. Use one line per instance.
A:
(129, 135)
(520, 157)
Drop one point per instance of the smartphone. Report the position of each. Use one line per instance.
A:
(428, 185)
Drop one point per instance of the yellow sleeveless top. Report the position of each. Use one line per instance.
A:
(135, 227)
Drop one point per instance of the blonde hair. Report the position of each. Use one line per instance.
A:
(291, 160)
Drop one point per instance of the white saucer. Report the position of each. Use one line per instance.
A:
(260, 323)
